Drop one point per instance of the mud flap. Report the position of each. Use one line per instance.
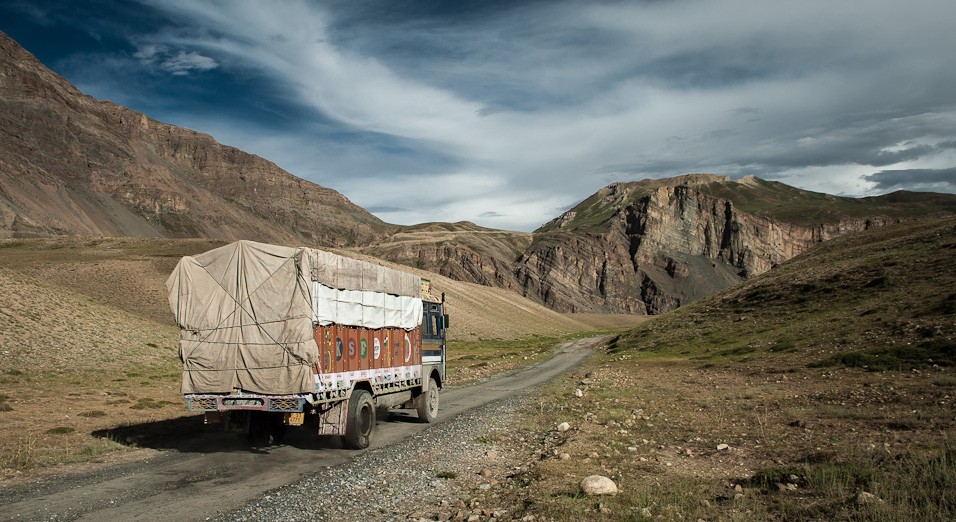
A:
(333, 420)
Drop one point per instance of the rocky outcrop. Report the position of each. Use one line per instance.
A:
(70, 164)
(462, 251)
(660, 244)
(650, 246)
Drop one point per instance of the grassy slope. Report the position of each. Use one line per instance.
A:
(829, 377)
(886, 293)
(792, 205)
(766, 198)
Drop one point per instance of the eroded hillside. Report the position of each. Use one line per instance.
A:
(71, 164)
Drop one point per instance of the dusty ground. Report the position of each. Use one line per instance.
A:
(801, 443)
(822, 390)
(194, 474)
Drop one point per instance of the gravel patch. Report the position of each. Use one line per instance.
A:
(430, 476)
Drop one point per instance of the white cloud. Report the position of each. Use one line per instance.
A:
(533, 111)
(180, 63)
(183, 63)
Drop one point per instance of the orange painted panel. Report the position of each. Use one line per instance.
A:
(349, 348)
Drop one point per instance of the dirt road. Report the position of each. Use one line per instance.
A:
(201, 475)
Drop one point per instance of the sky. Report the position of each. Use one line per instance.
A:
(507, 113)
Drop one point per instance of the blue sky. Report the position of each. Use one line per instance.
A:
(507, 113)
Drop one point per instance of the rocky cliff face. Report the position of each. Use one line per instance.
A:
(660, 247)
(70, 164)
(462, 251)
(650, 246)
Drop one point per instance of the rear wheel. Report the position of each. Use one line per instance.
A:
(360, 422)
(427, 402)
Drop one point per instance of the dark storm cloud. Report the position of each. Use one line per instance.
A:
(886, 180)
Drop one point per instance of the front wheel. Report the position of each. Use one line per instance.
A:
(360, 422)
(427, 403)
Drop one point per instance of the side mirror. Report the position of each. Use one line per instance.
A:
(445, 320)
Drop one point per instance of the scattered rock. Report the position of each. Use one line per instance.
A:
(738, 488)
(492, 454)
(564, 456)
(564, 426)
(484, 486)
(865, 497)
(485, 472)
(723, 447)
(598, 485)
(578, 393)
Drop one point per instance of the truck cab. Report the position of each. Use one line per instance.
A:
(434, 324)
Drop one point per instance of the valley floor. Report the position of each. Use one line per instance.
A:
(764, 439)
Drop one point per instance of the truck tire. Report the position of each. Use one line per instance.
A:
(360, 422)
(427, 403)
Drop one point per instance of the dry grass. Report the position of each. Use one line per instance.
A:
(87, 343)
(654, 426)
(67, 364)
(822, 391)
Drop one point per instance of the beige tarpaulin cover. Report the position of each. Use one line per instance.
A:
(246, 314)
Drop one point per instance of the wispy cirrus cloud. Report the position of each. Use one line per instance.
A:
(178, 63)
(504, 113)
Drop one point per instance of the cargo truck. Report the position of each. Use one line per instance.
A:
(274, 336)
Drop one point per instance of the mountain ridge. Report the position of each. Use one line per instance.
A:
(71, 164)
(649, 246)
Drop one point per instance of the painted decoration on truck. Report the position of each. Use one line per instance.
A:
(359, 349)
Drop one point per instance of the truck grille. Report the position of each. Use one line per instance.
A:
(285, 404)
(244, 402)
(202, 403)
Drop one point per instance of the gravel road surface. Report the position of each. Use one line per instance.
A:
(212, 476)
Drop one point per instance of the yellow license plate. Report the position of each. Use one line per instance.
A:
(295, 418)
